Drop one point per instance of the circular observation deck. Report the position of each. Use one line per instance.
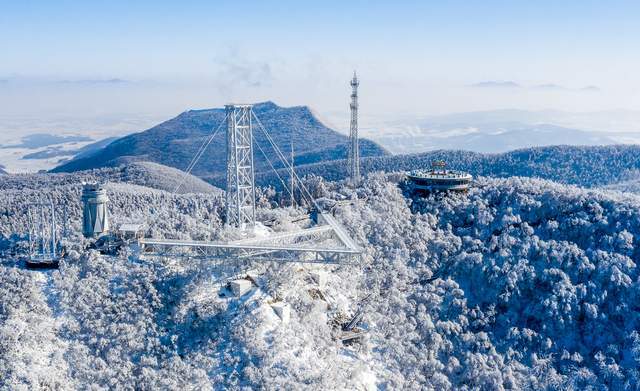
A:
(439, 179)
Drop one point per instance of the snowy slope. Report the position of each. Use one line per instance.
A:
(521, 284)
(146, 174)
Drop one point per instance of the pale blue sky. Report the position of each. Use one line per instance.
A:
(414, 57)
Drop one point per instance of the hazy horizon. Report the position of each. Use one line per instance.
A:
(414, 58)
(106, 70)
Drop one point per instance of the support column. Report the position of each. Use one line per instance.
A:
(241, 197)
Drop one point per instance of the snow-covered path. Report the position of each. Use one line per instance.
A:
(51, 295)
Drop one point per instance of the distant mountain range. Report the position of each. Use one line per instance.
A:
(497, 138)
(507, 84)
(496, 84)
(174, 142)
(505, 130)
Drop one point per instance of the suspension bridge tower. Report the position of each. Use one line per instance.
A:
(241, 196)
(354, 151)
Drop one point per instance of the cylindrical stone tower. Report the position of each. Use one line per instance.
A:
(95, 215)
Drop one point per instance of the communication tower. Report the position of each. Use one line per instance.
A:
(354, 151)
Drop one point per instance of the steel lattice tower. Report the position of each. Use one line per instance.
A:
(354, 151)
(241, 197)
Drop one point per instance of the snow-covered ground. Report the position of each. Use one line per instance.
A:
(518, 284)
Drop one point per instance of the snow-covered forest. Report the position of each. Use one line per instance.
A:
(518, 284)
(587, 166)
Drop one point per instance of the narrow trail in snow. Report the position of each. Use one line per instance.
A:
(51, 294)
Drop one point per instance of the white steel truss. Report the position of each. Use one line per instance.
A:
(241, 198)
(324, 243)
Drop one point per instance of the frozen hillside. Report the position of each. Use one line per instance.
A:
(147, 174)
(583, 166)
(520, 284)
(128, 203)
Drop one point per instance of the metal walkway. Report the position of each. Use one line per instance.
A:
(302, 246)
